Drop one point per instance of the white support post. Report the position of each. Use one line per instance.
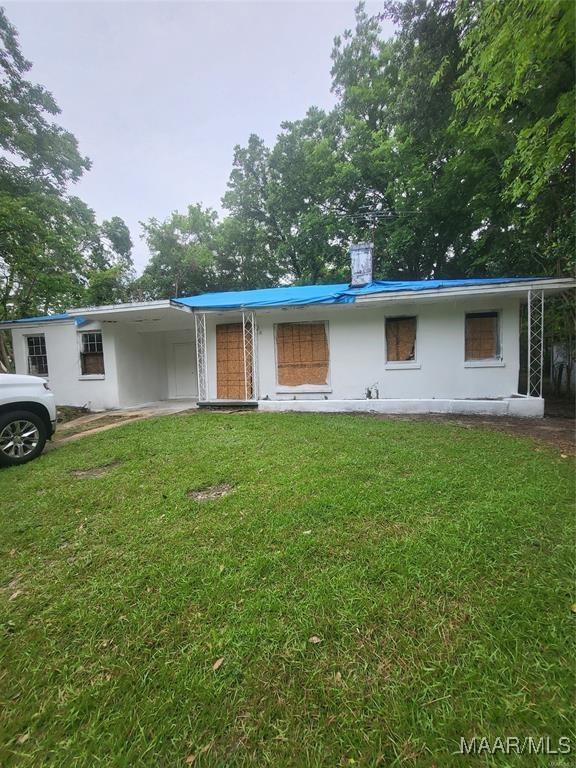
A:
(535, 367)
(249, 334)
(201, 355)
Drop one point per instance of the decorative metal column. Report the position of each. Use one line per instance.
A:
(249, 341)
(535, 343)
(201, 356)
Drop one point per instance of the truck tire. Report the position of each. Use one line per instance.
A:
(22, 437)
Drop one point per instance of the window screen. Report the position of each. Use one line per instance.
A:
(37, 359)
(92, 354)
(400, 339)
(482, 336)
(302, 353)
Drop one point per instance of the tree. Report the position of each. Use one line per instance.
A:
(395, 102)
(183, 258)
(285, 199)
(41, 149)
(242, 256)
(110, 271)
(52, 252)
(37, 222)
(516, 93)
(462, 124)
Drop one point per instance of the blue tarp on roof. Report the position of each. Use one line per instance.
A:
(42, 318)
(340, 293)
(301, 295)
(295, 295)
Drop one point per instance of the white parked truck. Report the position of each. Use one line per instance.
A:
(27, 417)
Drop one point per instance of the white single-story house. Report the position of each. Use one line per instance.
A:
(432, 346)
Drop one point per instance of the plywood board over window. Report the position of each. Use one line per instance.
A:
(482, 336)
(400, 339)
(302, 354)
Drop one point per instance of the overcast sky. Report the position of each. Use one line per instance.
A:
(158, 94)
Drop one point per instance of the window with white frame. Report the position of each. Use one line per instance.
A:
(37, 358)
(91, 353)
(400, 339)
(482, 336)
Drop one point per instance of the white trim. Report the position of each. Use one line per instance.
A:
(24, 324)
(128, 307)
(80, 351)
(402, 365)
(303, 389)
(27, 355)
(488, 363)
(562, 284)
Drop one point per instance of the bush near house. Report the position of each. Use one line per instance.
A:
(284, 590)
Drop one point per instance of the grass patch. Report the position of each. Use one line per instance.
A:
(369, 592)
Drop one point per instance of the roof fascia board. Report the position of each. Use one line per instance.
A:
(25, 324)
(548, 286)
(106, 309)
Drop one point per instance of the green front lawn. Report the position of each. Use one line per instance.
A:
(376, 590)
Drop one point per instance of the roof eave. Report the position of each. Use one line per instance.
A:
(128, 307)
(520, 288)
(7, 325)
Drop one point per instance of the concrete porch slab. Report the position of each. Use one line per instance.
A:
(162, 406)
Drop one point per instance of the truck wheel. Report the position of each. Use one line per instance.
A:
(22, 437)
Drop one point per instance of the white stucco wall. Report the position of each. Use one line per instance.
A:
(140, 366)
(356, 340)
(64, 372)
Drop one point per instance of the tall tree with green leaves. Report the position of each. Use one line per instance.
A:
(110, 271)
(183, 256)
(53, 254)
(516, 95)
(37, 222)
(286, 197)
(395, 105)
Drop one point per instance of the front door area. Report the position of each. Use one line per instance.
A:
(185, 380)
(230, 383)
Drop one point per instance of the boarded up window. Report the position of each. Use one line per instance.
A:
(482, 337)
(302, 354)
(400, 339)
(92, 354)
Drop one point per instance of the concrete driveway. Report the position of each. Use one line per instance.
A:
(92, 423)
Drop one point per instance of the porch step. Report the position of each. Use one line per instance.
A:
(225, 404)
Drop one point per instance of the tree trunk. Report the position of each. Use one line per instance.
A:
(5, 356)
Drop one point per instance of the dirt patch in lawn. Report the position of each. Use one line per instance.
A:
(213, 492)
(95, 471)
(65, 413)
(557, 432)
(95, 423)
(560, 433)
